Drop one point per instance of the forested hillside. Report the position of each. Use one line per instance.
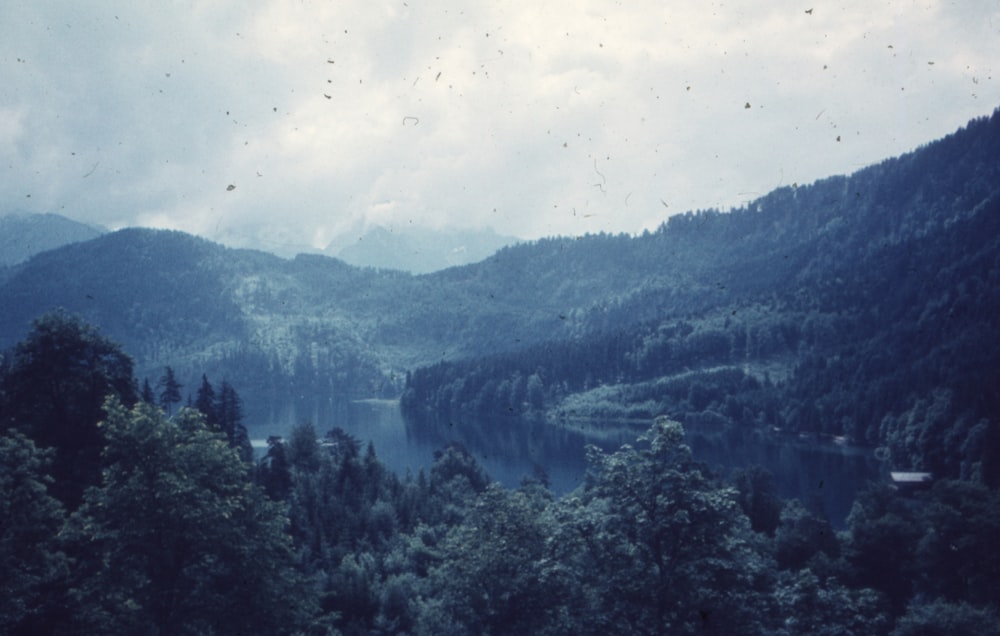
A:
(860, 305)
(118, 516)
(864, 307)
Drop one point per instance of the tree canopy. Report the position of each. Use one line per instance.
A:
(178, 540)
(54, 390)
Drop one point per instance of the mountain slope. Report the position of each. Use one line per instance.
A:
(864, 306)
(789, 290)
(418, 250)
(24, 235)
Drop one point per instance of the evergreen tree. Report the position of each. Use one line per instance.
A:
(273, 472)
(170, 390)
(229, 411)
(757, 497)
(205, 401)
(147, 394)
(303, 449)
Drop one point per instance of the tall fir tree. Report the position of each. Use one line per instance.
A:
(147, 395)
(205, 401)
(229, 411)
(170, 390)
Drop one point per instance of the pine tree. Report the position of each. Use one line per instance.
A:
(205, 401)
(229, 411)
(147, 394)
(274, 473)
(170, 390)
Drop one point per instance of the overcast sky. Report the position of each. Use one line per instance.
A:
(292, 122)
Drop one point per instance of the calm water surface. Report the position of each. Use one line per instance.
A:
(824, 476)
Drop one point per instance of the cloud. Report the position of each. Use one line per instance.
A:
(532, 118)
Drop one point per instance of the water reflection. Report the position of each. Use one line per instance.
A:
(513, 448)
(824, 476)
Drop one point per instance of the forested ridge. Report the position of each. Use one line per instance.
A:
(856, 302)
(862, 306)
(164, 524)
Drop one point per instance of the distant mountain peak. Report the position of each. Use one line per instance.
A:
(417, 250)
(24, 234)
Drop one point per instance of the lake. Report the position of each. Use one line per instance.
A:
(823, 475)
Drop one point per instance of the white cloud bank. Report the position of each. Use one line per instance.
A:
(534, 118)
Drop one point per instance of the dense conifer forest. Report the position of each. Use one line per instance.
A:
(863, 308)
(120, 518)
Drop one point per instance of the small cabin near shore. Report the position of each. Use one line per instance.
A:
(907, 482)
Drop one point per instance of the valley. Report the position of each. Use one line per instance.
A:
(861, 306)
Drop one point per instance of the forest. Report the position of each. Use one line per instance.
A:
(125, 512)
(854, 307)
(860, 309)
(863, 308)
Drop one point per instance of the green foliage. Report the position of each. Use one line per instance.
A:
(801, 536)
(936, 548)
(871, 301)
(32, 565)
(669, 550)
(176, 540)
(228, 413)
(956, 556)
(852, 306)
(758, 499)
(224, 413)
(205, 401)
(882, 537)
(456, 463)
(170, 390)
(649, 544)
(302, 448)
(274, 472)
(346, 510)
(941, 618)
(146, 394)
(808, 605)
(497, 574)
(54, 390)
(893, 359)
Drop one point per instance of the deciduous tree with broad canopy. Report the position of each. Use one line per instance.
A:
(178, 540)
(54, 392)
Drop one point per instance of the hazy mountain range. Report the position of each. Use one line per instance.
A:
(23, 235)
(417, 250)
(409, 249)
(864, 305)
